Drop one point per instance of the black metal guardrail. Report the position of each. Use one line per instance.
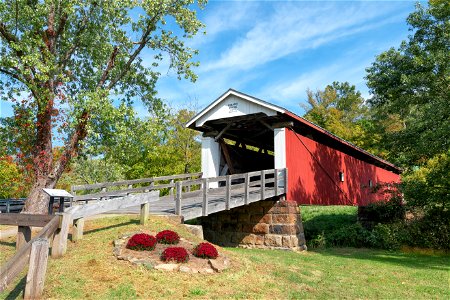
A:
(12, 205)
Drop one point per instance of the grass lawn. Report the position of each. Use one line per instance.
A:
(89, 270)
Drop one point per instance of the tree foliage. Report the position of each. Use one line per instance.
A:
(341, 109)
(412, 84)
(66, 65)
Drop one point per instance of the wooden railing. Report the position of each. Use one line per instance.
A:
(78, 213)
(107, 190)
(248, 187)
(56, 229)
(33, 252)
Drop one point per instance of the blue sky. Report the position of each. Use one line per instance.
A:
(275, 50)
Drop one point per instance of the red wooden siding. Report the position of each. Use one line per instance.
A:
(310, 184)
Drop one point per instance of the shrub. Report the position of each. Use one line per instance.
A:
(167, 237)
(205, 250)
(141, 241)
(177, 254)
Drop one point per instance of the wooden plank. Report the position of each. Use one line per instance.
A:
(37, 269)
(205, 197)
(263, 184)
(59, 245)
(15, 264)
(179, 191)
(77, 229)
(25, 219)
(228, 193)
(23, 236)
(286, 181)
(85, 210)
(134, 181)
(246, 187)
(145, 208)
(226, 155)
(276, 182)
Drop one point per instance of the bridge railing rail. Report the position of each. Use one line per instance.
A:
(232, 185)
(106, 190)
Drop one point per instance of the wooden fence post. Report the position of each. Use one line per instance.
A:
(171, 188)
(23, 236)
(179, 185)
(286, 182)
(59, 245)
(145, 208)
(205, 197)
(263, 184)
(37, 269)
(246, 188)
(77, 229)
(275, 181)
(228, 192)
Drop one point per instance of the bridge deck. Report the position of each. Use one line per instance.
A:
(192, 205)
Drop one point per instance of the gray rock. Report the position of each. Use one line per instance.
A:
(196, 230)
(167, 267)
(218, 264)
(185, 269)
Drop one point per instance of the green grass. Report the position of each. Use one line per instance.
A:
(319, 221)
(89, 270)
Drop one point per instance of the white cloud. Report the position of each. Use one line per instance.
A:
(292, 28)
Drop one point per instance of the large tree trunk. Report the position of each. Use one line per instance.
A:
(47, 172)
(37, 201)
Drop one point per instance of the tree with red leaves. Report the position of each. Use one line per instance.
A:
(66, 64)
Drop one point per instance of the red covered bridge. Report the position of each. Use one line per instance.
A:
(243, 134)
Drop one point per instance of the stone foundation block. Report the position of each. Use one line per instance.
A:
(261, 218)
(286, 241)
(273, 240)
(249, 239)
(284, 219)
(259, 240)
(283, 229)
(261, 228)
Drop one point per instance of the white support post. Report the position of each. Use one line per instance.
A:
(280, 147)
(210, 159)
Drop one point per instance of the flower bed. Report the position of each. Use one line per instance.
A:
(205, 250)
(141, 242)
(167, 237)
(165, 257)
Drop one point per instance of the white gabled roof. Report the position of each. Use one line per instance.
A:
(264, 106)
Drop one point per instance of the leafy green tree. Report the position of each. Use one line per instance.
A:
(341, 109)
(412, 85)
(64, 62)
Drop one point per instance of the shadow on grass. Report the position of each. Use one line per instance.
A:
(410, 260)
(131, 222)
(11, 244)
(326, 223)
(16, 293)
